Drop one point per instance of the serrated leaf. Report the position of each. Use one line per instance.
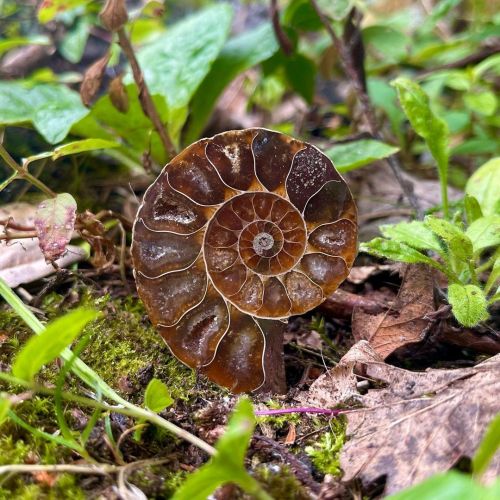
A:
(484, 233)
(472, 209)
(427, 125)
(42, 349)
(228, 465)
(157, 396)
(54, 224)
(399, 252)
(483, 185)
(237, 55)
(469, 305)
(414, 234)
(356, 154)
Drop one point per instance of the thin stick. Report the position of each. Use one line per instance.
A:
(23, 173)
(366, 106)
(283, 40)
(145, 98)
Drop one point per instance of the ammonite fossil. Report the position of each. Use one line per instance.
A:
(239, 232)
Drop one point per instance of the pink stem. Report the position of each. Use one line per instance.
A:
(283, 411)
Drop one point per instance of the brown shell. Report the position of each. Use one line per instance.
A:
(244, 227)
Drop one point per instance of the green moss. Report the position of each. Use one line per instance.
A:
(279, 422)
(325, 453)
(280, 482)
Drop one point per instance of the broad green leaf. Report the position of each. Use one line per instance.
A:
(414, 234)
(54, 223)
(477, 146)
(488, 446)
(42, 349)
(484, 233)
(228, 465)
(301, 75)
(399, 252)
(52, 108)
(336, 9)
(390, 44)
(440, 10)
(451, 485)
(427, 125)
(356, 154)
(300, 14)
(157, 396)
(13, 42)
(468, 304)
(483, 185)
(49, 9)
(238, 55)
(484, 103)
(73, 44)
(472, 209)
(176, 62)
(4, 407)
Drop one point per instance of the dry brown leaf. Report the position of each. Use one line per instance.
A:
(420, 423)
(405, 322)
(92, 80)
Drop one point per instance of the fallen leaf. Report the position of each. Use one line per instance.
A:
(421, 423)
(405, 322)
(54, 224)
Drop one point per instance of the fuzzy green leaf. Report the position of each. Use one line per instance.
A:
(488, 447)
(399, 252)
(414, 234)
(427, 125)
(468, 304)
(484, 233)
(42, 349)
(157, 396)
(228, 465)
(483, 185)
(356, 154)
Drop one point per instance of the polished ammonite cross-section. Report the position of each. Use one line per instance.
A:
(239, 232)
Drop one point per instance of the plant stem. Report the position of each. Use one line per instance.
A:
(89, 377)
(22, 173)
(145, 98)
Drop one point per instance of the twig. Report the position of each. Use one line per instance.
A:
(101, 470)
(281, 36)
(145, 98)
(305, 409)
(366, 106)
(22, 173)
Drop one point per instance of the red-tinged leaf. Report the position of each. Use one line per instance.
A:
(54, 223)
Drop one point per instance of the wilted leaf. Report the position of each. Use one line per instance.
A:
(52, 108)
(54, 224)
(414, 234)
(483, 185)
(237, 55)
(43, 348)
(92, 80)
(114, 14)
(405, 322)
(484, 232)
(468, 304)
(356, 154)
(157, 397)
(118, 94)
(419, 423)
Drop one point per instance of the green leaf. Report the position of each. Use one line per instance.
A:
(483, 185)
(384, 96)
(49, 9)
(488, 447)
(427, 125)
(73, 44)
(484, 233)
(228, 465)
(14, 42)
(238, 55)
(4, 407)
(494, 275)
(157, 396)
(356, 154)
(336, 9)
(468, 304)
(472, 209)
(390, 44)
(176, 62)
(301, 75)
(450, 485)
(414, 234)
(52, 108)
(399, 252)
(484, 103)
(42, 349)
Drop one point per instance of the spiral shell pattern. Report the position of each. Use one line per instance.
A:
(239, 231)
